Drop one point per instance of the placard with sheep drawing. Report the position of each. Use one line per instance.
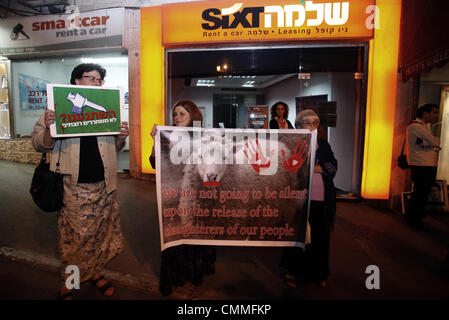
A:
(242, 187)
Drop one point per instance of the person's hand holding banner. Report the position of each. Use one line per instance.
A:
(124, 131)
(49, 118)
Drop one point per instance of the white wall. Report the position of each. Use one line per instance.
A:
(339, 87)
(49, 70)
(290, 88)
(431, 84)
(429, 93)
(341, 138)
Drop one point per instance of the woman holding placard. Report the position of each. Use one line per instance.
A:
(88, 223)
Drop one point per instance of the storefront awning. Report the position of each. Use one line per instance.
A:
(424, 41)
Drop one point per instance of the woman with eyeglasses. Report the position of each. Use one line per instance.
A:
(312, 264)
(88, 222)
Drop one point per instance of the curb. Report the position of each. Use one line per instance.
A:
(45, 262)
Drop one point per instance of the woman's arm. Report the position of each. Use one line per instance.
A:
(120, 140)
(326, 158)
(41, 138)
(153, 157)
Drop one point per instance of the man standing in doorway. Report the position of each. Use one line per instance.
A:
(422, 155)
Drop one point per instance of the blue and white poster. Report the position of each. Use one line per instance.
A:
(32, 93)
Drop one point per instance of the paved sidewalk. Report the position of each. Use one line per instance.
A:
(409, 260)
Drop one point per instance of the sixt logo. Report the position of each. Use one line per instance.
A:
(334, 14)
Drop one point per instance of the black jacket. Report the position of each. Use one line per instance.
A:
(275, 125)
(325, 158)
(153, 159)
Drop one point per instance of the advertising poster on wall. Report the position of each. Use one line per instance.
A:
(238, 187)
(32, 93)
(85, 110)
(258, 117)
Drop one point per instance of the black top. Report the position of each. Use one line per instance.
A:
(275, 125)
(153, 158)
(91, 166)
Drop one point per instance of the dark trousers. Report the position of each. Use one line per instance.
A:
(422, 178)
(313, 263)
(320, 231)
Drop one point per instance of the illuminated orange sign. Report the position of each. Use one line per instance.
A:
(229, 21)
(208, 22)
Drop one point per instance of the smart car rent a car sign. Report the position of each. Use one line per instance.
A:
(218, 21)
(100, 28)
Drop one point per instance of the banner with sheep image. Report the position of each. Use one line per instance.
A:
(242, 187)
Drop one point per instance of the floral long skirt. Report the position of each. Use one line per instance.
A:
(89, 228)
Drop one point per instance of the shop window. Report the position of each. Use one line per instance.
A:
(236, 87)
(5, 130)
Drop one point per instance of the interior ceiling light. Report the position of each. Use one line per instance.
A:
(249, 84)
(205, 83)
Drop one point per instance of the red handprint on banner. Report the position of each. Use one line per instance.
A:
(256, 157)
(297, 158)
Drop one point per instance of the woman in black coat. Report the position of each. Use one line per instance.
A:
(312, 265)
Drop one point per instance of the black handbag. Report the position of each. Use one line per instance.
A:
(402, 159)
(47, 187)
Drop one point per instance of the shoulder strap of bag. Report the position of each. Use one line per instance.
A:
(44, 157)
(59, 156)
(403, 145)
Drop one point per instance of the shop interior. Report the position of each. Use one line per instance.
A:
(236, 87)
(434, 88)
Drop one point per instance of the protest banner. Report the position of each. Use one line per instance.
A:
(242, 187)
(85, 110)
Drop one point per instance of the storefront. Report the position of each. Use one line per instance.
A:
(423, 78)
(230, 58)
(45, 49)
